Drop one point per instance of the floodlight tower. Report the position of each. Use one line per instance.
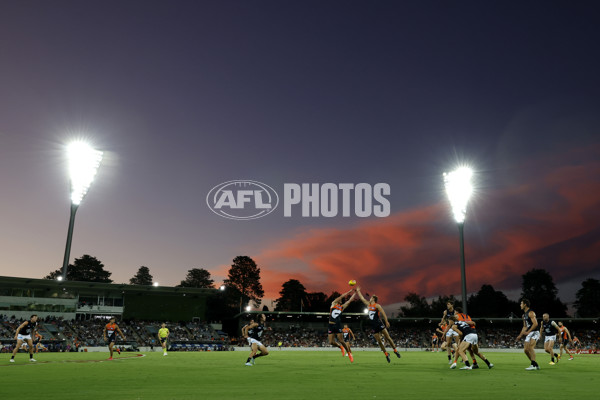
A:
(459, 189)
(83, 165)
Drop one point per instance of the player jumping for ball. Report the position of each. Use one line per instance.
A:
(334, 331)
(375, 314)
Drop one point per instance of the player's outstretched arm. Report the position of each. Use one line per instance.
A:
(361, 297)
(346, 304)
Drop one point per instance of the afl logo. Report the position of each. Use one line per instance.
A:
(242, 199)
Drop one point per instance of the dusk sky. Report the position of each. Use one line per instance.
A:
(182, 96)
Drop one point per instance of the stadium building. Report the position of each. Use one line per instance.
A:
(21, 297)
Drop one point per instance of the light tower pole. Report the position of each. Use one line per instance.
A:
(83, 165)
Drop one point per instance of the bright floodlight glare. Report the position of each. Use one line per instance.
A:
(248, 308)
(83, 165)
(155, 284)
(222, 287)
(459, 189)
(366, 310)
(59, 278)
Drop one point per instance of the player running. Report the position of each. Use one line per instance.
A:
(550, 329)
(530, 332)
(565, 339)
(23, 334)
(346, 333)
(253, 333)
(163, 337)
(466, 330)
(378, 326)
(110, 335)
(334, 331)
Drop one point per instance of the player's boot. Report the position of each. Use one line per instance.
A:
(571, 358)
(12, 360)
(453, 366)
(387, 356)
(397, 354)
(252, 360)
(351, 357)
(110, 358)
(551, 363)
(532, 368)
(249, 364)
(343, 351)
(491, 366)
(118, 351)
(32, 360)
(475, 366)
(465, 367)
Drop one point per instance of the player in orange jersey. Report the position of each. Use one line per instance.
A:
(347, 332)
(110, 335)
(565, 339)
(335, 324)
(378, 325)
(435, 345)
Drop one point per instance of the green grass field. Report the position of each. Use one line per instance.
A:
(291, 375)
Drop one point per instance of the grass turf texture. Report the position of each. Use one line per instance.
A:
(291, 375)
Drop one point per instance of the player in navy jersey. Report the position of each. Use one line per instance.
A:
(253, 332)
(470, 341)
(378, 326)
(549, 329)
(334, 331)
(530, 333)
(24, 333)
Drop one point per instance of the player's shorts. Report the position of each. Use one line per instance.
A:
(451, 333)
(163, 340)
(334, 329)
(23, 337)
(376, 328)
(535, 335)
(112, 338)
(550, 339)
(346, 337)
(434, 341)
(471, 338)
(252, 341)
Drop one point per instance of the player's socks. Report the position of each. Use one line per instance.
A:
(30, 356)
(449, 357)
(486, 361)
(351, 357)
(397, 354)
(343, 351)
(118, 351)
(556, 356)
(387, 356)
(467, 364)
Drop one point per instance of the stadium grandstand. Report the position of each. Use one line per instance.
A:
(73, 316)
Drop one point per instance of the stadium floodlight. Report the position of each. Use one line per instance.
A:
(83, 165)
(248, 308)
(222, 287)
(459, 190)
(155, 284)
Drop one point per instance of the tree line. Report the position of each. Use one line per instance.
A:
(243, 287)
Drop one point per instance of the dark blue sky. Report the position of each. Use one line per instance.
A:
(185, 95)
